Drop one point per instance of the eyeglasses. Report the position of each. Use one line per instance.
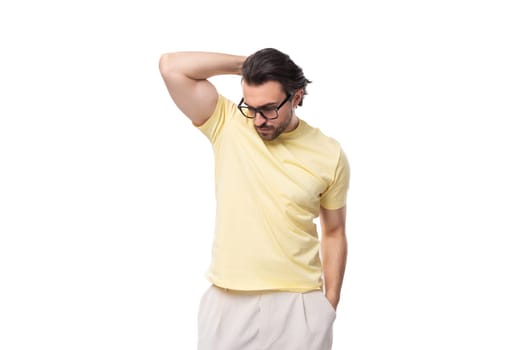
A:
(265, 112)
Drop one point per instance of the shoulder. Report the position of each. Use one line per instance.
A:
(321, 140)
(223, 114)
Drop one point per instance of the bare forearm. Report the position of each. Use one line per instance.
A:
(201, 65)
(334, 252)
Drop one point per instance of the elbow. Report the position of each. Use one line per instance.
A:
(167, 64)
(336, 232)
(164, 64)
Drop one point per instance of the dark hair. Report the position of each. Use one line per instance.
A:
(273, 65)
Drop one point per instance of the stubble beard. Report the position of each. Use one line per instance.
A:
(278, 130)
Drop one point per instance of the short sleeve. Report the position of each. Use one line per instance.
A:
(213, 127)
(335, 196)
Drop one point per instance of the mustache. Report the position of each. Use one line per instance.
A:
(264, 126)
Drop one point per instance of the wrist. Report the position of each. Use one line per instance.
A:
(239, 63)
(332, 295)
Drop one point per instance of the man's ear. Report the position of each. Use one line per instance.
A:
(297, 97)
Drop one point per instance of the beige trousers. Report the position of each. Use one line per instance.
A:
(232, 320)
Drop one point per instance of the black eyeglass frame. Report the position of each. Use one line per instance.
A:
(258, 110)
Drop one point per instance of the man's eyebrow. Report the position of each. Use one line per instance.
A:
(270, 104)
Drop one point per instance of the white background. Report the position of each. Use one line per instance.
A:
(106, 191)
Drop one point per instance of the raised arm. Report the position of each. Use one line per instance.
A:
(186, 76)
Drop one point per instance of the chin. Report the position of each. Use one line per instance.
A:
(268, 137)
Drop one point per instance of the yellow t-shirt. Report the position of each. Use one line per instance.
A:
(268, 194)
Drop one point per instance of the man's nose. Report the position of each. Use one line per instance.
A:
(259, 119)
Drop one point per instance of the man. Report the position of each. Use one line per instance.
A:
(274, 175)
